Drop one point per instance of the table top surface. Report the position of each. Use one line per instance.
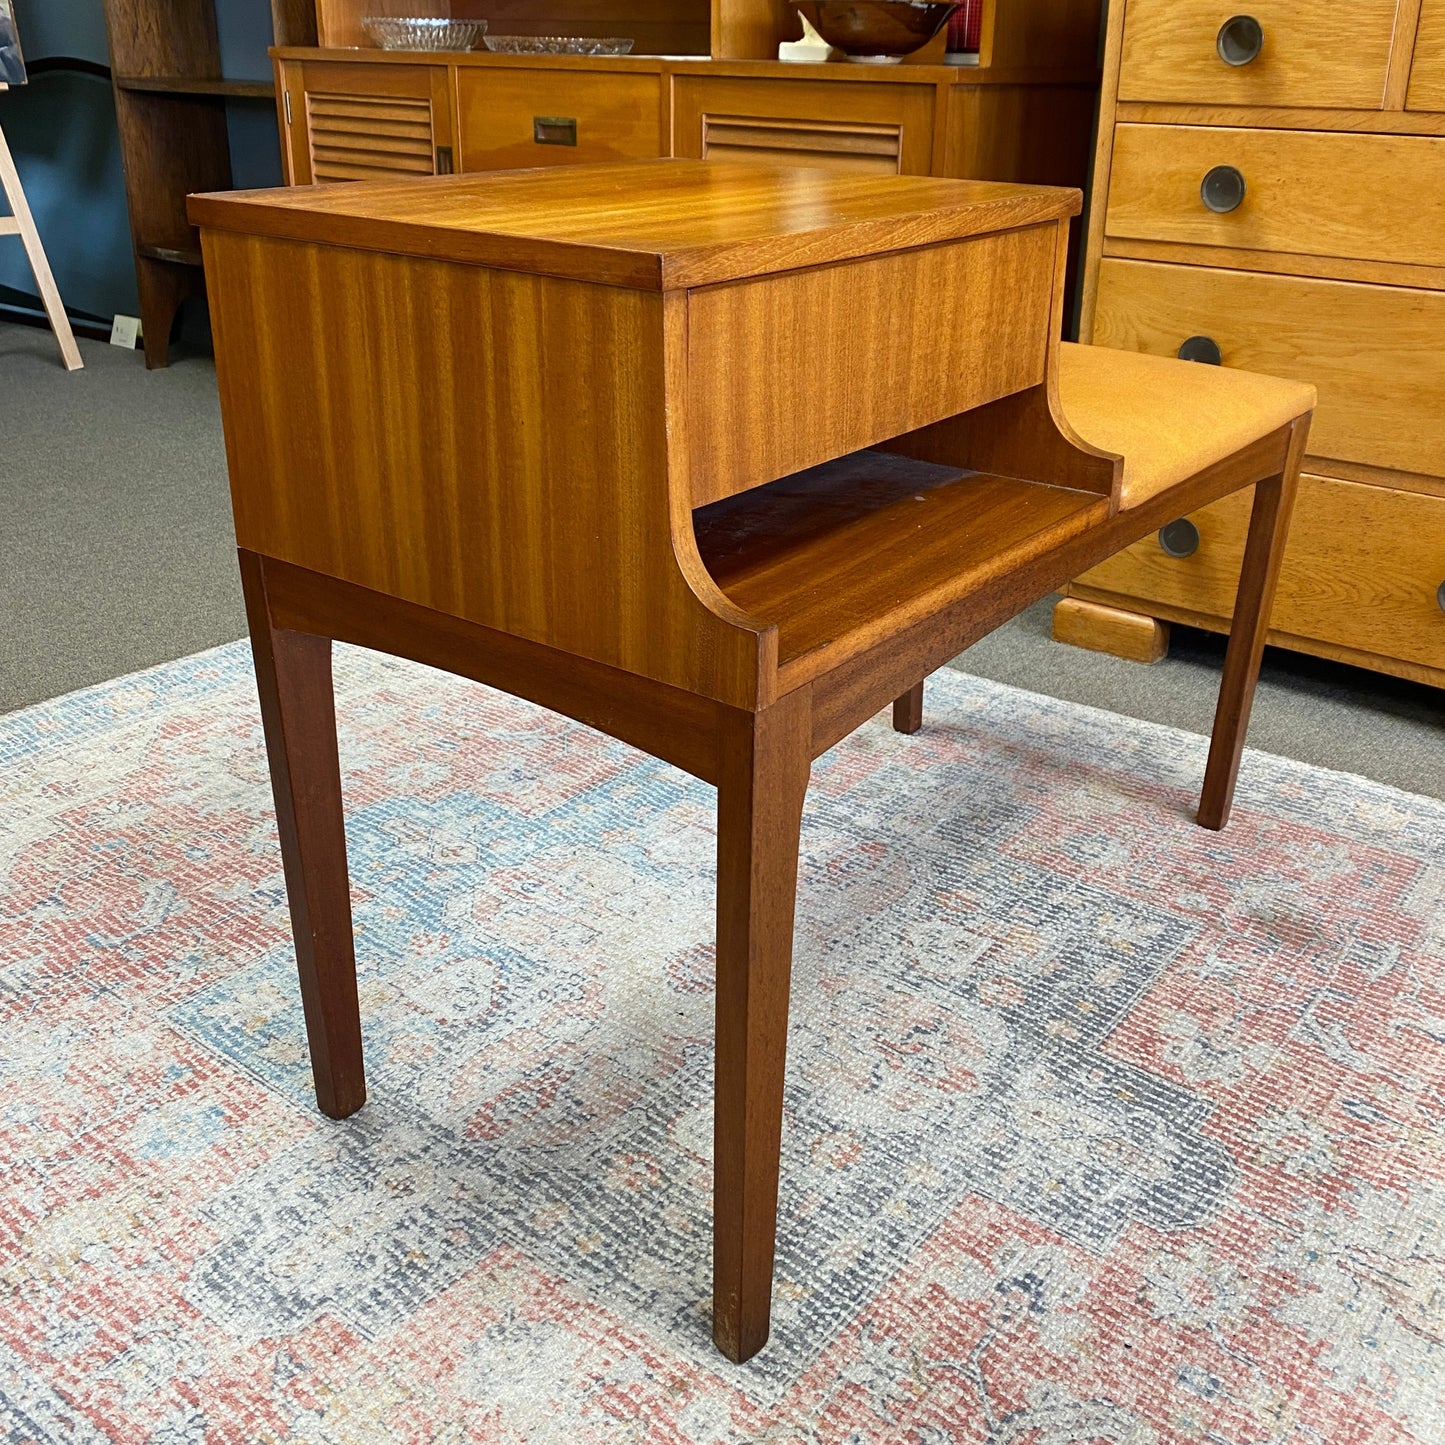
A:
(649, 225)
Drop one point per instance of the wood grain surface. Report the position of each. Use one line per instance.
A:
(487, 444)
(842, 555)
(1313, 54)
(618, 117)
(1269, 524)
(1361, 569)
(1279, 117)
(1374, 352)
(908, 338)
(1427, 72)
(659, 225)
(1378, 197)
(908, 107)
(1131, 635)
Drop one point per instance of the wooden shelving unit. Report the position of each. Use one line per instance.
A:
(170, 101)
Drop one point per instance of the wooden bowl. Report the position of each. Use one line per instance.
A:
(877, 32)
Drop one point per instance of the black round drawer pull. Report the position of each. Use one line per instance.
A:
(1222, 189)
(1179, 539)
(1201, 348)
(1440, 596)
(1240, 40)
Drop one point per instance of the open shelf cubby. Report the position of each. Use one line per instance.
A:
(855, 545)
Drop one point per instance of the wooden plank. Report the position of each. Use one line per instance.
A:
(702, 223)
(1134, 636)
(198, 85)
(23, 225)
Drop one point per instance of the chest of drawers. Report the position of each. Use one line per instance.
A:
(1269, 193)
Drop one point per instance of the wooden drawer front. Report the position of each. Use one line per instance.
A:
(876, 127)
(1427, 72)
(1313, 52)
(1361, 570)
(833, 145)
(951, 326)
(1372, 197)
(1374, 352)
(579, 115)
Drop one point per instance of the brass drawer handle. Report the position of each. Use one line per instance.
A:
(1201, 348)
(1179, 539)
(554, 130)
(1240, 40)
(1222, 189)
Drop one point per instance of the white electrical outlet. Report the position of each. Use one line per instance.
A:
(125, 331)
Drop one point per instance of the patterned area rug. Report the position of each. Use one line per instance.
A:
(1100, 1128)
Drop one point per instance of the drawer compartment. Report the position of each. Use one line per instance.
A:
(1299, 52)
(1374, 352)
(1362, 569)
(1427, 71)
(1372, 197)
(953, 326)
(873, 128)
(529, 116)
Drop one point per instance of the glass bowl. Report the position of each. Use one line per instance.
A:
(557, 45)
(394, 32)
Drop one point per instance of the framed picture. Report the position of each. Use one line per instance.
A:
(12, 62)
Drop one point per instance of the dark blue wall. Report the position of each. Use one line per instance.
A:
(61, 128)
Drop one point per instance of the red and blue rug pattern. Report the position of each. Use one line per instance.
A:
(1100, 1127)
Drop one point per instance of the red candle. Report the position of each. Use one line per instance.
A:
(965, 26)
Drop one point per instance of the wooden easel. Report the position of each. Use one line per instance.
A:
(21, 223)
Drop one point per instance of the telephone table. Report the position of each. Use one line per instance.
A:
(717, 459)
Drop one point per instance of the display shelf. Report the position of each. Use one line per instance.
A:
(836, 552)
(198, 85)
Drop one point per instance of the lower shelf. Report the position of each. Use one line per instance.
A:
(844, 553)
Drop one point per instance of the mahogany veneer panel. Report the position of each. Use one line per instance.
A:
(697, 223)
(874, 539)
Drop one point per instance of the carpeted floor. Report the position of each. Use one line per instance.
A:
(1100, 1128)
(117, 553)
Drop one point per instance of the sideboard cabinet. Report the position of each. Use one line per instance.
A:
(1269, 193)
(1025, 112)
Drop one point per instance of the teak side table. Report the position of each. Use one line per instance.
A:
(600, 437)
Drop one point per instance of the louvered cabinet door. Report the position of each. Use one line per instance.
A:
(870, 127)
(366, 122)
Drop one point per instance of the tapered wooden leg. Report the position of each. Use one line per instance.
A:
(908, 711)
(293, 678)
(162, 285)
(763, 780)
(1263, 556)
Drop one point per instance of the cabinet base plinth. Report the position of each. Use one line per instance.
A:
(1131, 635)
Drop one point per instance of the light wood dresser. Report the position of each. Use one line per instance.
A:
(1269, 192)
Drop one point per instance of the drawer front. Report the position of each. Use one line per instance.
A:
(532, 117)
(951, 327)
(1427, 71)
(1361, 569)
(1371, 197)
(1297, 52)
(1374, 352)
(871, 128)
